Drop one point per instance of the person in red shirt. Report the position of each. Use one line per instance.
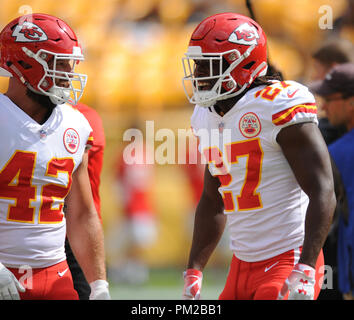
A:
(134, 185)
(96, 152)
(95, 164)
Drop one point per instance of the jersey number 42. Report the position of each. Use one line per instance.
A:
(16, 184)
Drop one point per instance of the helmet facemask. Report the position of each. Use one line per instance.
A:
(224, 84)
(41, 51)
(59, 84)
(238, 44)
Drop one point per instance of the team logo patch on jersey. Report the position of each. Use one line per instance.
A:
(244, 34)
(71, 140)
(249, 125)
(29, 32)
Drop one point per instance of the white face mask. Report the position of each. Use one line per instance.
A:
(74, 82)
(193, 85)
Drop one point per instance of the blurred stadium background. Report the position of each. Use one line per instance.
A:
(133, 51)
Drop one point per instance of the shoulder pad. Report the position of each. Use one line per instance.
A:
(291, 102)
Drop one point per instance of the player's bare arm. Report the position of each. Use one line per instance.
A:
(209, 223)
(84, 229)
(307, 155)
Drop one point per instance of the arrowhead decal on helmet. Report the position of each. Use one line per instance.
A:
(29, 32)
(233, 50)
(244, 34)
(42, 51)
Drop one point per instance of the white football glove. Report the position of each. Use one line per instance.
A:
(9, 285)
(192, 284)
(300, 283)
(99, 290)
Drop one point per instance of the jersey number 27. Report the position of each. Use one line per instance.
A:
(248, 199)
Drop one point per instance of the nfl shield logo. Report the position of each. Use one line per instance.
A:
(221, 127)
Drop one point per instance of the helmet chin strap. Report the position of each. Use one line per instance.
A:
(234, 94)
(59, 95)
(211, 102)
(263, 66)
(205, 98)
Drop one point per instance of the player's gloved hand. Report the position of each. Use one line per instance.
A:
(99, 290)
(192, 284)
(300, 283)
(9, 285)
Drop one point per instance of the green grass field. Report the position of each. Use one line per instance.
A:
(167, 284)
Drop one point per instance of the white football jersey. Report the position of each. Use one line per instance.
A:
(36, 166)
(264, 204)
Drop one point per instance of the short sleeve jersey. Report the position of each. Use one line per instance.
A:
(36, 166)
(264, 204)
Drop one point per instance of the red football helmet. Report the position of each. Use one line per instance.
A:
(232, 43)
(32, 48)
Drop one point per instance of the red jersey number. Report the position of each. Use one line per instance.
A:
(249, 198)
(16, 184)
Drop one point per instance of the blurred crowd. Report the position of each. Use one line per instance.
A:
(133, 48)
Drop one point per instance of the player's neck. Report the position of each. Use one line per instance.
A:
(224, 106)
(35, 110)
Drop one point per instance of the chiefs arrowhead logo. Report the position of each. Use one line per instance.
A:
(71, 140)
(29, 32)
(250, 125)
(244, 34)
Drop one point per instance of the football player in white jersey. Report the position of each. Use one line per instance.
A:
(268, 176)
(43, 160)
